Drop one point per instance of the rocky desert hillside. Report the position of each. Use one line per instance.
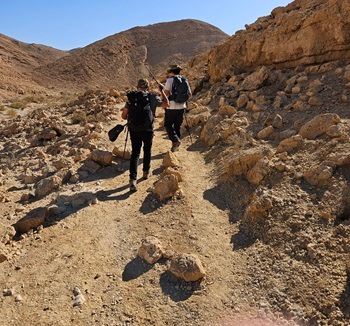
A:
(118, 60)
(18, 60)
(248, 224)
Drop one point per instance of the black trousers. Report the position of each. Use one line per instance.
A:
(137, 139)
(172, 122)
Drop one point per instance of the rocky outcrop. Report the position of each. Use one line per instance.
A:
(304, 32)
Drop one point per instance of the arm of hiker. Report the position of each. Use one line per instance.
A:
(125, 112)
(167, 87)
(165, 101)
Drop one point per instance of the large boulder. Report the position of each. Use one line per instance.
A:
(319, 125)
(166, 187)
(32, 220)
(102, 157)
(187, 267)
(46, 186)
(151, 250)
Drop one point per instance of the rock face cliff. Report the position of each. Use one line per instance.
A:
(304, 32)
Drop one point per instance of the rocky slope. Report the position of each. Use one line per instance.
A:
(119, 60)
(18, 60)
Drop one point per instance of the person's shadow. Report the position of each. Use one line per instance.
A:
(106, 195)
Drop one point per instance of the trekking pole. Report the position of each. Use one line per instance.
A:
(152, 75)
(126, 140)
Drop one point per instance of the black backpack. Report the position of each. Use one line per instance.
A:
(180, 92)
(140, 115)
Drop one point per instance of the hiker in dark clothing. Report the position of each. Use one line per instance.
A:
(178, 90)
(140, 112)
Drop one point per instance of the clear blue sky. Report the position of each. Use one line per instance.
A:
(67, 24)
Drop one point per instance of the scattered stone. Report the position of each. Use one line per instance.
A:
(170, 160)
(18, 298)
(320, 175)
(187, 267)
(255, 80)
(242, 101)
(47, 185)
(259, 171)
(315, 101)
(78, 299)
(166, 187)
(289, 144)
(102, 157)
(266, 133)
(318, 125)
(121, 154)
(8, 292)
(32, 220)
(175, 172)
(151, 250)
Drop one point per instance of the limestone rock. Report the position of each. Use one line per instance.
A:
(121, 154)
(259, 171)
(315, 101)
(175, 172)
(102, 157)
(151, 250)
(32, 220)
(89, 167)
(255, 80)
(242, 101)
(254, 220)
(46, 186)
(289, 144)
(318, 125)
(243, 161)
(227, 110)
(170, 160)
(319, 175)
(187, 267)
(266, 133)
(166, 187)
(288, 40)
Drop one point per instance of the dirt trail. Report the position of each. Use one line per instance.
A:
(95, 249)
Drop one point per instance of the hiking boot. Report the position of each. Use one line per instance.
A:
(175, 146)
(133, 187)
(146, 175)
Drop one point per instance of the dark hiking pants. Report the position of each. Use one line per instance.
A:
(172, 122)
(137, 139)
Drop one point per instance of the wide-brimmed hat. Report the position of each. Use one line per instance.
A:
(143, 83)
(174, 67)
